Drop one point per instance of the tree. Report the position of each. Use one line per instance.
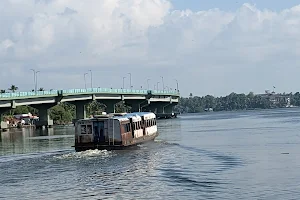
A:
(2, 91)
(41, 89)
(13, 88)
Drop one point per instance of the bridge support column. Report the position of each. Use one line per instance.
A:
(80, 109)
(137, 105)
(110, 105)
(162, 109)
(44, 116)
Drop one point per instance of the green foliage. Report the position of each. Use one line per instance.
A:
(13, 88)
(61, 114)
(121, 107)
(233, 101)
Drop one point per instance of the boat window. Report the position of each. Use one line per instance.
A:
(126, 127)
(89, 129)
(83, 129)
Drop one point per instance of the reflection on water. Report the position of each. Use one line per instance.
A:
(226, 155)
(26, 140)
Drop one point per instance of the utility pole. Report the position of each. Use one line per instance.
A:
(177, 84)
(33, 78)
(91, 78)
(85, 80)
(123, 81)
(36, 80)
(148, 83)
(163, 84)
(130, 80)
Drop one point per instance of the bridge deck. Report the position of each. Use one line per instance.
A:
(53, 93)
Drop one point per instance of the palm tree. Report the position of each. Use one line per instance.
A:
(2, 91)
(41, 89)
(13, 88)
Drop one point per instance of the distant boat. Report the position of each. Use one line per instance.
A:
(115, 131)
(208, 109)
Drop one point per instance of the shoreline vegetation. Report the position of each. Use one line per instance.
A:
(235, 102)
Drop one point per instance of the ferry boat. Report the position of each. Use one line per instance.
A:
(115, 131)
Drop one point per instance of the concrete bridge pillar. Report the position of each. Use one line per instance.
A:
(110, 105)
(44, 116)
(137, 105)
(80, 109)
(162, 109)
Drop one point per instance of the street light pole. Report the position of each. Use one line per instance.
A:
(157, 85)
(36, 80)
(91, 78)
(177, 84)
(33, 78)
(130, 79)
(123, 81)
(85, 80)
(148, 83)
(163, 84)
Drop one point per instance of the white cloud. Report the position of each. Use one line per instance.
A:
(209, 51)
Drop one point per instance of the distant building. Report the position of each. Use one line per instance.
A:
(277, 99)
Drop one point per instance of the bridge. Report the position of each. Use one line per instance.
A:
(159, 102)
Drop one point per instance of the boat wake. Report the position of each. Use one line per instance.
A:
(85, 154)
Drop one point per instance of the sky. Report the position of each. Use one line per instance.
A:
(210, 47)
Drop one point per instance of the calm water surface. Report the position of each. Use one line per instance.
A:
(229, 155)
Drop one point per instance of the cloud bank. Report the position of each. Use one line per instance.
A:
(208, 52)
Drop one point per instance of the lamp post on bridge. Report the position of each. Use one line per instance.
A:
(91, 78)
(85, 80)
(130, 80)
(148, 83)
(33, 78)
(123, 81)
(177, 84)
(163, 84)
(157, 85)
(36, 80)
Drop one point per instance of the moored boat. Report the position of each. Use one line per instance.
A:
(115, 131)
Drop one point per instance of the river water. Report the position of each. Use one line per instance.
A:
(224, 155)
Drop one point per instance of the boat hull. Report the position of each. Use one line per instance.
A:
(106, 146)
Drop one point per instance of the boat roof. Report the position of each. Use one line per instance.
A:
(121, 116)
(134, 115)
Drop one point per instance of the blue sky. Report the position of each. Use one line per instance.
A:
(231, 5)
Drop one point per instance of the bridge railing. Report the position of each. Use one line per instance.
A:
(104, 90)
(84, 91)
(28, 94)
